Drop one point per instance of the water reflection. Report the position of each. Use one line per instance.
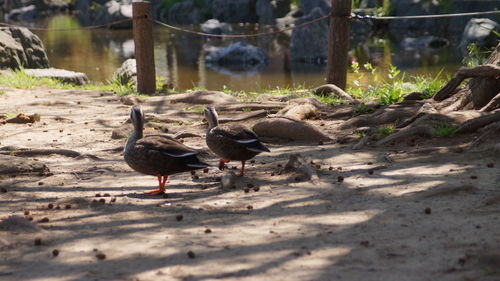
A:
(180, 57)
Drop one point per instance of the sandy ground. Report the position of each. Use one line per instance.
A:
(395, 216)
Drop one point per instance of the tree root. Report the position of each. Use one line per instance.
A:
(298, 163)
(44, 152)
(333, 90)
(487, 70)
(421, 130)
(489, 130)
(476, 123)
(492, 105)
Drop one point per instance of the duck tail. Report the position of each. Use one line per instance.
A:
(257, 147)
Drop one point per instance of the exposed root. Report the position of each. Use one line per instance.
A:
(362, 142)
(333, 90)
(44, 152)
(489, 131)
(487, 70)
(298, 163)
(421, 130)
(476, 123)
(492, 105)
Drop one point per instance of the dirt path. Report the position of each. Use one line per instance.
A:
(394, 216)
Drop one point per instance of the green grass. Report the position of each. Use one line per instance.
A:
(196, 108)
(384, 131)
(363, 109)
(445, 130)
(394, 87)
(19, 79)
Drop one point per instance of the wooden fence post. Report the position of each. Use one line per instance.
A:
(338, 43)
(144, 52)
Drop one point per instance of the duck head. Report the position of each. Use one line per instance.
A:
(211, 116)
(137, 118)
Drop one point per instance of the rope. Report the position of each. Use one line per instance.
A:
(241, 35)
(69, 29)
(426, 16)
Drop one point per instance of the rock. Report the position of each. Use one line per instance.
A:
(413, 8)
(19, 47)
(307, 6)
(214, 26)
(185, 12)
(238, 55)
(22, 118)
(65, 76)
(310, 43)
(127, 72)
(18, 224)
(424, 42)
(234, 11)
(202, 97)
(228, 180)
(27, 13)
(289, 129)
(268, 10)
(481, 32)
(115, 11)
(18, 165)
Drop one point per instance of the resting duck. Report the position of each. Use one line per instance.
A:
(231, 141)
(157, 155)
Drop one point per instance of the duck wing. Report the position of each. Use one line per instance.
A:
(241, 135)
(163, 146)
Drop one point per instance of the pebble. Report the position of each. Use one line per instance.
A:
(427, 211)
(38, 241)
(43, 220)
(191, 254)
(55, 252)
(208, 230)
(179, 217)
(100, 256)
(340, 178)
(3, 190)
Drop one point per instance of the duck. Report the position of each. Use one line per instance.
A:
(158, 154)
(231, 141)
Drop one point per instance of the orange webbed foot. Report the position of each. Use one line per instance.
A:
(154, 192)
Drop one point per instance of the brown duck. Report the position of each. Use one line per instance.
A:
(158, 155)
(231, 141)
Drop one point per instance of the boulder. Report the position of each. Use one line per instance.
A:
(33, 47)
(480, 31)
(310, 43)
(234, 11)
(185, 12)
(19, 47)
(307, 6)
(240, 56)
(65, 76)
(424, 42)
(115, 11)
(413, 8)
(127, 73)
(27, 13)
(268, 10)
(214, 26)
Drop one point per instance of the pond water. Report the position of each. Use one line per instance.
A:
(179, 57)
